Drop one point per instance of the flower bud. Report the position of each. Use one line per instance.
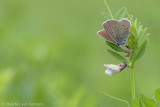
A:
(114, 69)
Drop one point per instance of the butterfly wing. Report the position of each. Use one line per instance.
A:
(104, 34)
(124, 32)
(111, 27)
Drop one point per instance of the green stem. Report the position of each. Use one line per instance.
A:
(132, 77)
(115, 98)
(108, 9)
(132, 84)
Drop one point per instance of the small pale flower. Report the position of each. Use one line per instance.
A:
(114, 69)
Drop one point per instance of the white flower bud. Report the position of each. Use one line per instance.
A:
(114, 69)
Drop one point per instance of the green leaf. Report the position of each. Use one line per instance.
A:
(144, 38)
(116, 55)
(141, 37)
(131, 57)
(135, 103)
(139, 31)
(121, 13)
(157, 95)
(106, 15)
(141, 104)
(141, 49)
(135, 24)
(148, 102)
(114, 47)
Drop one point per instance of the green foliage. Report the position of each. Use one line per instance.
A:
(131, 57)
(121, 13)
(141, 50)
(148, 102)
(135, 103)
(118, 16)
(143, 101)
(157, 95)
(137, 41)
(137, 34)
(106, 15)
(117, 56)
(114, 47)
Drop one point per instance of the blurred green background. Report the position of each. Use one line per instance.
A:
(50, 53)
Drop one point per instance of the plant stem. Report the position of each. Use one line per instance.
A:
(115, 98)
(108, 9)
(132, 84)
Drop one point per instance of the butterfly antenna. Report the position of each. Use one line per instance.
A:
(108, 9)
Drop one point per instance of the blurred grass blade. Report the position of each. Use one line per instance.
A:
(116, 55)
(106, 15)
(77, 96)
(148, 102)
(121, 13)
(114, 47)
(157, 95)
(142, 49)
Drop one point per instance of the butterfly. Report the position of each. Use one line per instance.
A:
(116, 31)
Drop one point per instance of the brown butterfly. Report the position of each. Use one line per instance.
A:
(116, 31)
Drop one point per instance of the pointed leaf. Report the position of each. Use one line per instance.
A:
(135, 24)
(116, 55)
(139, 31)
(142, 35)
(121, 13)
(139, 24)
(142, 49)
(144, 38)
(148, 102)
(114, 47)
(106, 15)
(157, 95)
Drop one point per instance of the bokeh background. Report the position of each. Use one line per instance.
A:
(50, 53)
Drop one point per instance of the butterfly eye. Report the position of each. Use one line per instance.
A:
(117, 45)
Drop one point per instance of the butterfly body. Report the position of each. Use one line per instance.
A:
(116, 31)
